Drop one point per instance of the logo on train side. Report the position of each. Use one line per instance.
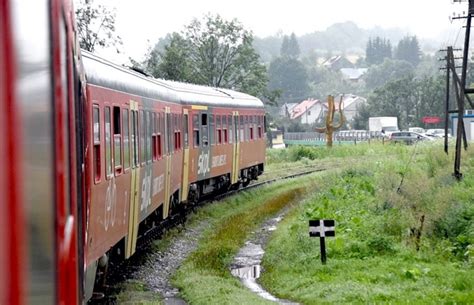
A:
(110, 205)
(146, 191)
(158, 184)
(218, 161)
(203, 163)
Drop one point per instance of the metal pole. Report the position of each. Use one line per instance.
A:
(459, 138)
(322, 242)
(446, 119)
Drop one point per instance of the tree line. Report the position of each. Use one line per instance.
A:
(212, 51)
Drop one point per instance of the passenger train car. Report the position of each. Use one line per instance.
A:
(153, 145)
(40, 181)
(95, 154)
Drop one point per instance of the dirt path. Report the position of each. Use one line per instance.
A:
(156, 273)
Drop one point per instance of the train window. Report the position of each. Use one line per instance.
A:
(161, 119)
(133, 137)
(246, 127)
(251, 127)
(218, 130)
(149, 126)
(196, 130)
(108, 142)
(186, 131)
(117, 140)
(212, 129)
(154, 138)
(126, 142)
(229, 121)
(160, 137)
(180, 127)
(241, 129)
(204, 130)
(141, 120)
(96, 129)
(224, 129)
(168, 133)
(175, 132)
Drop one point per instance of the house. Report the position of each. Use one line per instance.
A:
(337, 62)
(353, 74)
(350, 104)
(307, 112)
(286, 109)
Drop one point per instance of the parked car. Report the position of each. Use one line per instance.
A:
(417, 129)
(438, 132)
(408, 137)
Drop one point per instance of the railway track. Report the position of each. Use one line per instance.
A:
(119, 271)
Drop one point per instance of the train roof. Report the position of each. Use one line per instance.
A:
(103, 73)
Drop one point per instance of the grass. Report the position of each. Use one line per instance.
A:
(133, 292)
(395, 242)
(373, 258)
(205, 277)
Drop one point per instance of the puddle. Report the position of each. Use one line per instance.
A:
(252, 272)
(247, 263)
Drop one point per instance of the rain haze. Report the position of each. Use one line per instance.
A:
(141, 23)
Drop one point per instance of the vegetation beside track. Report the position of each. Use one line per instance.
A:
(396, 242)
(205, 277)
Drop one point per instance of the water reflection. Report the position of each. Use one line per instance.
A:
(251, 272)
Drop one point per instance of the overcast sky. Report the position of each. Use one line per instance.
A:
(141, 22)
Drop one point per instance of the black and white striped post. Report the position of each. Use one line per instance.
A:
(322, 228)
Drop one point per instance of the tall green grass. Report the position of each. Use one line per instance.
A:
(205, 277)
(405, 234)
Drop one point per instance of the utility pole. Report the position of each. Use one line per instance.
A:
(460, 128)
(460, 90)
(450, 68)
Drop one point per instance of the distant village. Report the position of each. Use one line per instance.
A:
(312, 111)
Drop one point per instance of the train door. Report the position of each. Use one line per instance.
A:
(131, 239)
(203, 167)
(236, 149)
(169, 150)
(185, 182)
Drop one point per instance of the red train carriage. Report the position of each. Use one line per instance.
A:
(226, 139)
(40, 186)
(153, 144)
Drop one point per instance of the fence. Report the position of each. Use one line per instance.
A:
(339, 137)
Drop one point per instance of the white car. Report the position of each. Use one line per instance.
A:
(437, 133)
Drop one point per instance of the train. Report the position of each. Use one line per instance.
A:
(95, 154)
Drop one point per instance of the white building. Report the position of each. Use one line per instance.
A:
(353, 74)
(350, 104)
(307, 112)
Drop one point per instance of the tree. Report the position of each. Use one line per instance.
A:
(377, 50)
(408, 49)
(217, 53)
(288, 75)
(408, 98)
(290, 47)
(390, 70)
(173, 63)
(96, 26)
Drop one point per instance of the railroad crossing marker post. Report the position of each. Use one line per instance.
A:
(322, 228)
